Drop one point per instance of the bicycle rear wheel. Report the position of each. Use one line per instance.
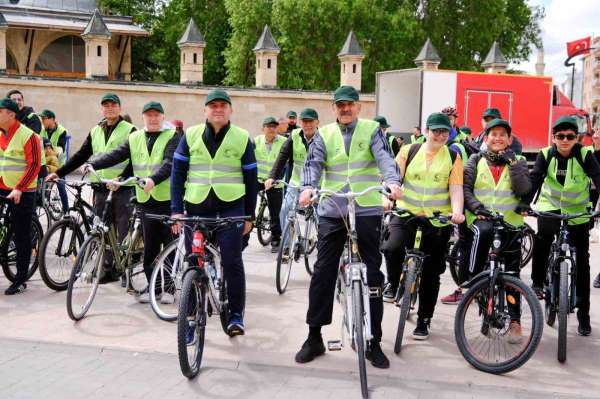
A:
(166, 278)
(191, 324)
(263, 224)
(359, 335)
(453, 258)
(563, 311)
(8, 252)
(58, 252)
(409, 280)
(85, 276)
(285, 258)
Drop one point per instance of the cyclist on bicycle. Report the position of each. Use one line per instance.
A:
(20, 162)
(150, 151)
(267, 148)
(214, 175)
(351, 154)
(562, 176)
(432, 181)
(495, 181)
(110, 133)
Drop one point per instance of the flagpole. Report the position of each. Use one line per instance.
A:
(568, 63)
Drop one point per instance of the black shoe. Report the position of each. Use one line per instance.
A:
(109, 277)
(274, 246)
(584, 329)
(377, 357)
(539, 291)
(597, 281)
(311, 348)
(389, 293)
(421, 333)
(15, 288)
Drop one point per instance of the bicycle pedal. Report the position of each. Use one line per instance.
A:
(334, 345)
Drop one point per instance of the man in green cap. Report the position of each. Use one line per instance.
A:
(417, 136)
(266, 149)
(150, 152)
(291, 122)
(561, 175)
(384, 126)
(488, 115)
(214, 175)
(343, 150)
(20, 163)
(57, 135)
(293, 154)
(111, 132)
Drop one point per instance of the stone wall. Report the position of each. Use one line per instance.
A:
(77, 102)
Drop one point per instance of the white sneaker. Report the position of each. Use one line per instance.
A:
(144, 297)
(167, 299)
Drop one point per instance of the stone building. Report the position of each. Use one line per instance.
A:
(591, 82)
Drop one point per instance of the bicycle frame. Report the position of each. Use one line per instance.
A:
(562, 251)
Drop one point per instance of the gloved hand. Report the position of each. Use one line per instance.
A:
(485, 213)
(508, 156)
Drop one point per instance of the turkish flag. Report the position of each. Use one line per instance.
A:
(578, 47)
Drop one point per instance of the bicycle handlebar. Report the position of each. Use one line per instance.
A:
(290, 185)
(560, 216)
(437, 215)
(170, 220)
(133, 179)
(349, 195)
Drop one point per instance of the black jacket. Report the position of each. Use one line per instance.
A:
(286, 156)
(28, 118)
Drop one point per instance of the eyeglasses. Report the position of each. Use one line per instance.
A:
(440, 132)
(561, 137)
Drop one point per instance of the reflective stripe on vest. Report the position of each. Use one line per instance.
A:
(299, 155)
(144, 164)
(414, 139)
(358, 169)
(99, 146)
(426, 186)
(223, 173)
(573, 196)
(13, 162)
(265, 159)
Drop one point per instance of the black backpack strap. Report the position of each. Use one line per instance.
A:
(412, 151)
(453, 155)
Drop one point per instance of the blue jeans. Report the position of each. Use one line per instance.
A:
(62, 192)
(291, 196)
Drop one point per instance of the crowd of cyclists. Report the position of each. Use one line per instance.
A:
(215, 170)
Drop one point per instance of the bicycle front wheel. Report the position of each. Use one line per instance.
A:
(359, 335)
(8, 252)
(563, 311)
(408, 287)
(165, 283)
(58, 252)
(498, 329)
(85, 276)
(285, 258)
(191, 324)
(263, 224)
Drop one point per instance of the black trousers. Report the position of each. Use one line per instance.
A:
(433, 243)
(157, 235)
(274, 199)
(330, 245)
(20, 219)
(579, 237)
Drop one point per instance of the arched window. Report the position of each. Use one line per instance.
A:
(11, 64)
(65, 54)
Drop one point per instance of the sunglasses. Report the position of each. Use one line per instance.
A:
(561, 137)
(440, 132)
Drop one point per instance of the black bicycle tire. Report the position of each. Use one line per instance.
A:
(527, 255)
(312, 221)
(359, 339)
(191, 278)
(260, 231)
(563, 311)
(48, 280)
(6, 268)
(290, 244)
(404, 306)
(153, 299)
(453, 261)
(549, 305)
(224, 313)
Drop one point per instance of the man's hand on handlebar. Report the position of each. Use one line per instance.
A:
(113, 187)
(395, 191)
(15, 196)
(247, 227)
(148, 185)
(306, 197)
(387, 204)
(483, 213)
(457, 218)
(268, 184)
(51, 177)
(178, 226)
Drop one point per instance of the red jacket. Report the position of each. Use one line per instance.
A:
(33, 157)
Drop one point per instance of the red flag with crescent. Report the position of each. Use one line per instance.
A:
(578, 47)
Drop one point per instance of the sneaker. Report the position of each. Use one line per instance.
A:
(454, 298)
(144, 297)
(190, 338)
(377, 357)
(389, 293)
(311, 348)
(236, 325)
(585, 328)
(421, 333)
(515, 333)
(167, 299)
(15, 288)
(539, 291)
(597, 281)
(275, 246)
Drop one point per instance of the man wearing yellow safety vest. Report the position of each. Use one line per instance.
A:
(293, 153)
(417, 136)
(432, 181)
(266, 148)
(342, 151)
(110, 133)
(562, 176)
(57, 135)
(150, 152)
(496, 181)
(214, 175)
(384, 126)
(20, 150)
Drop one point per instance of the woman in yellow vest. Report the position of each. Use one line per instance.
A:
(266, 148)
(150, 152)
(432, 181)
(494, 182)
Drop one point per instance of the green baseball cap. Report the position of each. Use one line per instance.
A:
(466, 130)
(382, 121)
(48, 114)
(345, 93)
(217, 95)
(491, 112)
(269, 120)
(565, 123)
(309, 113)
(155, 105)
(292, 114)
(498, 122)
(9, 105)
(437, 120)
(112, 97)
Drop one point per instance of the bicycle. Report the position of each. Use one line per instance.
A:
(412, 267)
(8, 248)
(352, 291)
(560, 296)
(204, 290)
(89, 262)
(263, 219)
(482, 331)
(293, 244)
(62, 241)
